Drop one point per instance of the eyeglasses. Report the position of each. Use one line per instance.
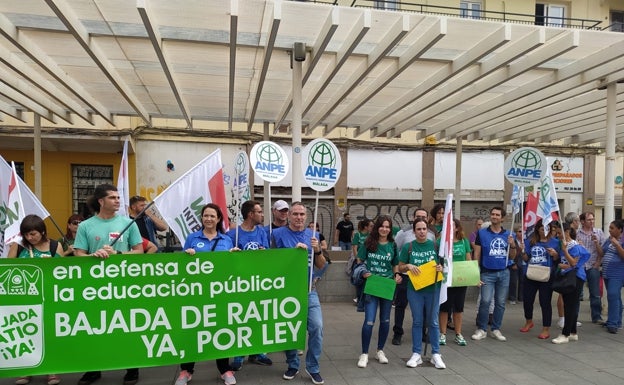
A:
(75, 222)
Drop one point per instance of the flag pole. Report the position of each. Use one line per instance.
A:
(131, 222)
(238, 204)
(311, 272)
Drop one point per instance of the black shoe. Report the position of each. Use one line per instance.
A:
(131, 377)
(89, 377)
(612, 330)
(396, 340)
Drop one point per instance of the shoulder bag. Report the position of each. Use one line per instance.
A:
(564, 283)
(538, 273)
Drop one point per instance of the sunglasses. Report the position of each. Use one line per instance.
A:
(75, 222)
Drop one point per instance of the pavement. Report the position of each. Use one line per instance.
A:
(597, 358)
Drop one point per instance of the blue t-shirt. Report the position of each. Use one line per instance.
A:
(283, 237)
(199, 242)
(612, 264)
(538, 255)
(255, 239)
(493, 249)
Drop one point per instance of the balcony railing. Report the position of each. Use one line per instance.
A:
(509, 17)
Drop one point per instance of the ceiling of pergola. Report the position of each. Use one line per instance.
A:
(82, 63)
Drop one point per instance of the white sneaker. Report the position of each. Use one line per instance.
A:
(363, 361)
(560, 323)
(573, 337)
(381, 357)
(498, 335)
(560, 340)
(436, 360)
(479, 334)
(183, 378)
(415, 360)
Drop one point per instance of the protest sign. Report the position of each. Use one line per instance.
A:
(61, 315)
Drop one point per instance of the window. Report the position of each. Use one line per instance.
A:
(84, 180)
(617, 21)
(549, 15)
(390, 4)
(471, 9)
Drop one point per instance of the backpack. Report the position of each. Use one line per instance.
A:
(53, 247)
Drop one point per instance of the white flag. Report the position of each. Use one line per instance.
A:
(181, 203)
(446, 245)
(547, 203)
(17, 202)
(123, 186)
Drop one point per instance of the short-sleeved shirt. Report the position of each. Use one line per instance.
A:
(420, 254)
(460, 248)
(345, 230)
(255, 239)
(380, 261)
(96, 232)
(25, 253)
(612, 264)
(200, 243)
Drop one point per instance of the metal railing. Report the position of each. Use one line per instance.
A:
(510, 17)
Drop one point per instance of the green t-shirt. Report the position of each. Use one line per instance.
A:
(96, 232)
(420, 254)
(24, 253)
(380, 262)
(359, 239)
(460, 248)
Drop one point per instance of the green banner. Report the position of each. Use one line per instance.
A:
(62, 315)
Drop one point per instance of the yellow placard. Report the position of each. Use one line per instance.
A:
(427, 276)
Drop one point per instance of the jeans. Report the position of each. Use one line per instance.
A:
(370, 311)
(593, 284)
(614, 301)
(427, 302)
(495, 285)
(315, 337)
(344, 246)
(400, 303)
(531, 288)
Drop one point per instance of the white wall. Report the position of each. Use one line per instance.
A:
(480, 171)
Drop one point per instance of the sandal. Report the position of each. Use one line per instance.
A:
(543, 336)
(53, 379)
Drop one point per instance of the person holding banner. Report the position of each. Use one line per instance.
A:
(456, 296)
(102, 236)
(381, 257)
(412, 256)
(491, 250)
(148, 222)
(211, 237)
(539, 250)
(297, 234)
(251, 236)
(35, 242)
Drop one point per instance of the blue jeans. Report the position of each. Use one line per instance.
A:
(344, 245)
(593, 284)
(495, 285)
(370, 311)
(428, 303)
(315, 337)
(614, 301)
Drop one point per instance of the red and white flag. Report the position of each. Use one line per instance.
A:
(123, 185)
(446, 245)
(17, 202)
(181, 203)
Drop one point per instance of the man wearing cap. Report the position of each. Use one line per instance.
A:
(280, 216)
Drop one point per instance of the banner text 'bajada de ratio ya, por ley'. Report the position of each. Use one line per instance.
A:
(62, 315)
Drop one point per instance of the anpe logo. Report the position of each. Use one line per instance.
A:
(321, 164)
(525, 166)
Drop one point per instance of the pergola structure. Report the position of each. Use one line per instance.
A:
(226, 65)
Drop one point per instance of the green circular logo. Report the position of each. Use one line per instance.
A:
(268, 153)
(322, 155)
(527, 159)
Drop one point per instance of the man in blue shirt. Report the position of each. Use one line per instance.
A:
(492, 246)
(297, 234)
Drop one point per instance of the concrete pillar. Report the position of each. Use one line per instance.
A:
(341, 194)
(589, 183)
(428, 176)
